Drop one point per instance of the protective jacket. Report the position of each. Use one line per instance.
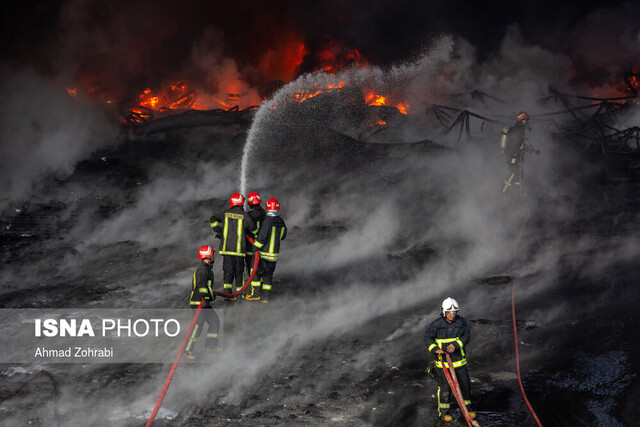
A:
(231, 229)
(202, 285)
(272, 231)
(257, 213)
(516, 138)
(442, 333)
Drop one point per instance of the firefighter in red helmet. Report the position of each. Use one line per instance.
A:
(272, 231)
(257, 213)
(202, 289)
(231, 228)
(513, 147)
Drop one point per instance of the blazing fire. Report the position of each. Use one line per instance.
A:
(231, 90)
(179, 96)
(372, 98)
(317, 90)
(375, 99)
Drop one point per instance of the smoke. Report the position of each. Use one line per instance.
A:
(378, 229)
(45, 132)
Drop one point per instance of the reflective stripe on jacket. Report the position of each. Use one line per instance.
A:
(272, 231)
(442, 333)
(202, 284)
(232, 228)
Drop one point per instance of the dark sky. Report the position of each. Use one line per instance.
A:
(139, 42)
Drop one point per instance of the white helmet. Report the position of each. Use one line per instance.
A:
(450, 305)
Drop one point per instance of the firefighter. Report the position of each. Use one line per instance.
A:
(272, 231)
(513, 146)
(231, 229)
(450, 333)
(202, 289)
(257, 213)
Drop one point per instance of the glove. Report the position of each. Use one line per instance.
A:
(431, 369)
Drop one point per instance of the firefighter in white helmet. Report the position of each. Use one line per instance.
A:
(450, 333)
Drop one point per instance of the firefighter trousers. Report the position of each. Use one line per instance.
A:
(232, 271)
(210, 317)
(444, 391)
(268, 267)
(256, 282)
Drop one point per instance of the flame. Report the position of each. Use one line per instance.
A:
(335, 56)
(375, 99)
(179, 95)
(283, 62)
(72, 91)
(372, 98)
(318, 89)
(634, 81)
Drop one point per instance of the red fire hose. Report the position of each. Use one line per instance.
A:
(452, 379)
(165, 387)
(55, 391)
(513, 305)
(256, 260)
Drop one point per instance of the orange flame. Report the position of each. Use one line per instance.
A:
(307, 94)
(375, 99)
(403, 108)
(72, 91)
(282, 63)
(335, 57)
(634, 81)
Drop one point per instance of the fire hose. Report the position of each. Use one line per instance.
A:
(450, 373)
(165, 387)
(55, 391)
(256, 261)
(513, 299)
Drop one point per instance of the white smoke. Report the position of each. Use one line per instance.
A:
(45, 132)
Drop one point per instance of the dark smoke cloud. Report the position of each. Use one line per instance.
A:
(118, 48)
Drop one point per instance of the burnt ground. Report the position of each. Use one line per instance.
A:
(288, 362)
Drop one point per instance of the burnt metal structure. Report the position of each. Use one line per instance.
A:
(591, 125)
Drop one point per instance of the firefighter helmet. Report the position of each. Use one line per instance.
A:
(450, 305)
(273, 204)
(205, 251)
(254, 198)
(236, 199)
(522, 115)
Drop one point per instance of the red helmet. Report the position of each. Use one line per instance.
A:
(205, 251)
(522, 115)
(254, 198)
(236, 199)
(273, 204)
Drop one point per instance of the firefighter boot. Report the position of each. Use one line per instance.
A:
(227, 290)
(214, 345)
(446, 418)
(264, 297)
(189, 355)
(255, 291)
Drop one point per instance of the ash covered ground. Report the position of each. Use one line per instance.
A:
(384, 224)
